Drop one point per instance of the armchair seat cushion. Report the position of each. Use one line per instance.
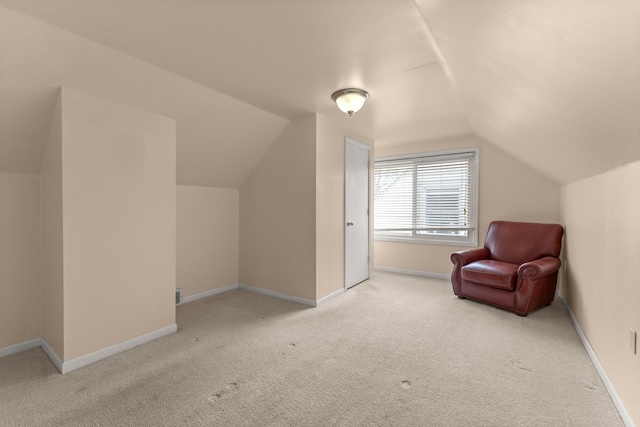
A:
(492, 273)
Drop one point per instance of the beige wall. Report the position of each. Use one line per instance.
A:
(119, 223)
(20, 275)
(278, 215)
(330, 221)
(221, 138)
(508, 190)
(292, 212)
(208, 238)
(52, 236)
(602, 286)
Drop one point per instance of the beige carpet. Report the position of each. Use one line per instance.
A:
(394, 351)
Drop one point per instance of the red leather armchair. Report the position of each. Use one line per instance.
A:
(517, 269)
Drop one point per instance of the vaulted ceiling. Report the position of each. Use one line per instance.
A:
(555, 84)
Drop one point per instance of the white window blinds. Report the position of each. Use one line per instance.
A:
(426, 197)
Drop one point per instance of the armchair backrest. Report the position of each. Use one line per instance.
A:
(520, 242)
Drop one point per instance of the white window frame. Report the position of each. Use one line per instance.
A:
(440, 239)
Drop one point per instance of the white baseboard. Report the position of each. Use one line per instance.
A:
(82, 361)
(90, 358)
(208, 293)
(280, 295)
(17, 348)
(52, 355)
(330, 296)
(626, 418)
(263, 291)
(413, 272)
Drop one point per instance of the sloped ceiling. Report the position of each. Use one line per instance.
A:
(555, 84)
(249, 65)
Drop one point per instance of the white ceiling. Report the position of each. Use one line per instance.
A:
(555, 84)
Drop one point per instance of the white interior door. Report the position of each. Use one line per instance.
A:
(356, 256)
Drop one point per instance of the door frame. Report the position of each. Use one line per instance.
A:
(368, 148)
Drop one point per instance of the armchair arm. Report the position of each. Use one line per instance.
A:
(462, 258)
(468, 256)
(536, 284)
(540, 267)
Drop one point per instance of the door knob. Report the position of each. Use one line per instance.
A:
(349, 223)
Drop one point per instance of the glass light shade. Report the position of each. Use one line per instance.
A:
(350, 100)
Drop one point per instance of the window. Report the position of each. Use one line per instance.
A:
(427, 198)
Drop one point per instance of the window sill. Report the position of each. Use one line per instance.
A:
(426, 241)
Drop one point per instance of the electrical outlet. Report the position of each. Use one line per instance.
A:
(178, 296)
(633, 341)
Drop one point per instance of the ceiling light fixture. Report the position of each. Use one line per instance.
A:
(350, 100)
